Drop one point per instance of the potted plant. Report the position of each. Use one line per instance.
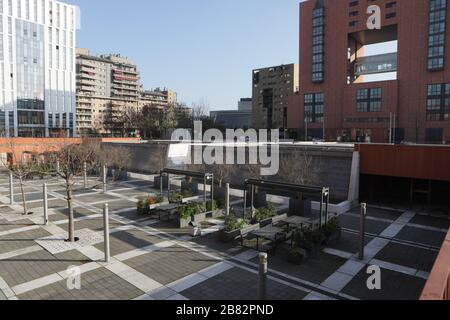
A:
(332, 231)
(233, 227)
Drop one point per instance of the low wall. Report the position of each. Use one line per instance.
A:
(438, 284)
(331, 167)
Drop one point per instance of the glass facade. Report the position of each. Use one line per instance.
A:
(314, 107)
(438, 102)
(30, 78)
(436, 40)
(318, 46)
(30, 86)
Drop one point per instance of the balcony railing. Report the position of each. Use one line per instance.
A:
(376, 64)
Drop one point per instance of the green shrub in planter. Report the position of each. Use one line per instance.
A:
(233, 223)
(190, 210)
(265, 213)
(297, 256)
(177, 197)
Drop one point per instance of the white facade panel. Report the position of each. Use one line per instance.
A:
(37, 64)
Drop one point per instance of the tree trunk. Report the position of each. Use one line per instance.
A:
(24, 200)
(70, 207)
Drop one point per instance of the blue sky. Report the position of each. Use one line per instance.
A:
(203, 49)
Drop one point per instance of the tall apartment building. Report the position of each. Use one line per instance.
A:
(352, 88)
(245, 105)
(106, 85)
(159, 98)
(272, 88)
(37, 68)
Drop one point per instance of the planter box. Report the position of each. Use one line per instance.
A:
(215, 214)
(265, 223)
(189, 186)
(300, 208)
(157, 205)
(229, 236)
(201, 217)
(157, 182)
(184, 223)
(186, 200)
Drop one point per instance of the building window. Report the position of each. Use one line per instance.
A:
(436, 40)
(391, 15)
(318, 47)
(390, 5)
(314, 107)
(369, 100)
(438, 102)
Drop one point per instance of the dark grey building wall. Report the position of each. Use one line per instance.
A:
(330, 167)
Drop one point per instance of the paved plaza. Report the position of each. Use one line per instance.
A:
(153, 260)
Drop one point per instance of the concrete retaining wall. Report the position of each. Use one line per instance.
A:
(330, 167)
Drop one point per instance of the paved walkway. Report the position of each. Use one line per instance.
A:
(152, 260)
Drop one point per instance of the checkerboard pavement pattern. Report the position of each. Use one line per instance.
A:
(153, 260)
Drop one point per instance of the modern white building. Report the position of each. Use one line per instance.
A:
(37, 68)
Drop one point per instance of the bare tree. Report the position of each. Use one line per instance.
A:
(22, 165)
(299, 167)
(200, 110)
(221, 172)
(116, 157)
(72, 157)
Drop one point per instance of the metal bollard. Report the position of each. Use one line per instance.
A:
(57, 166)
(105, 172)
(262, 276)
(11, 187)
(106, 232)
(85, 175)
(362, 230)
(227, 199)
(45, 205)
